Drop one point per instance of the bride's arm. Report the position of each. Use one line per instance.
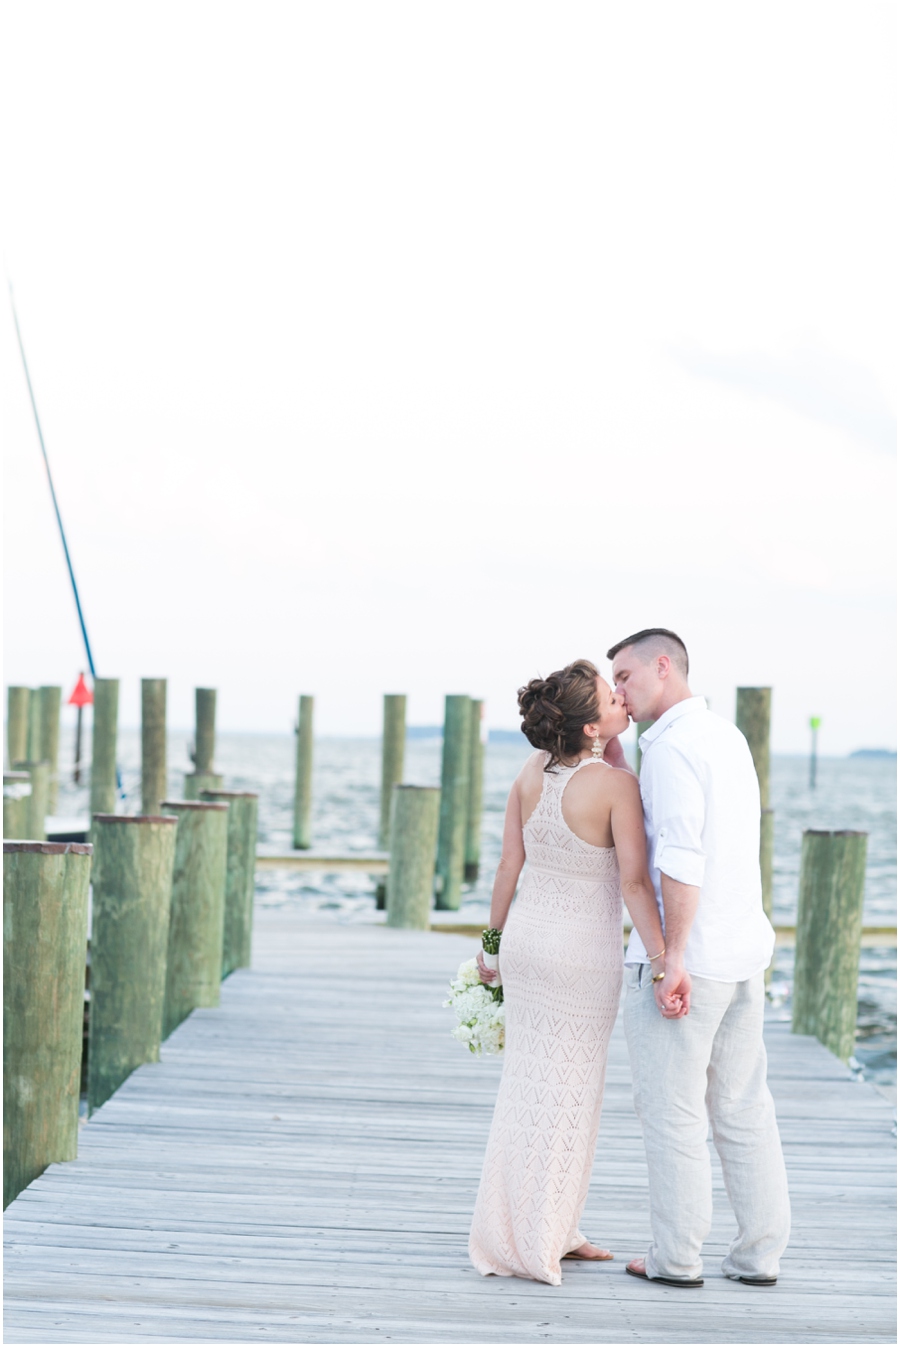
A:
(512, 858)
(627, 821)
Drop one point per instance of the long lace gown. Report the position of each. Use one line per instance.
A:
(561, 963)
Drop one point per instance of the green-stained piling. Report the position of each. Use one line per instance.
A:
(240, 881)
(642, 727)
(753, 717)
(393, 748)
(132, 892)
(413, 837)
(17, 704)
(49, 703)
(16, 804)
(45, 899)
(153, 745)
(204, 776)
(476, 793)
(36, 811)
(303, 778)
(829, 925)
(451, 850)
(104, 737)
(197, 914)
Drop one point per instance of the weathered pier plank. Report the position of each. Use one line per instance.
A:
(301, 1167)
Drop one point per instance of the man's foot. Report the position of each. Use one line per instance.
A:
(638, 1268)
(590, 1253)
(749, 1280)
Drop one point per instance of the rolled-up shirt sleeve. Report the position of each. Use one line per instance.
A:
(679, 813)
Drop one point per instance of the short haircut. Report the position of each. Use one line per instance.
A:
(655, 640)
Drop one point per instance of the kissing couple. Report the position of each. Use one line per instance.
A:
(693, 970)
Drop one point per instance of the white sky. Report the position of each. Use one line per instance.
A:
(426, 346)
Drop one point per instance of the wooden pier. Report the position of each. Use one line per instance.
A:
(302, 1164)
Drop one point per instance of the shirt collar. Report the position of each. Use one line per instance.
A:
(685, 708)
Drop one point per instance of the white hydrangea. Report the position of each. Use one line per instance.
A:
(480, 1013)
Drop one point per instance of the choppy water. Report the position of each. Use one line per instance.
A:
(851, 793)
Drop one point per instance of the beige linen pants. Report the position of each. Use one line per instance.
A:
(708, 1068)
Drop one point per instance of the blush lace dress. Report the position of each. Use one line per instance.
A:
(561, 962)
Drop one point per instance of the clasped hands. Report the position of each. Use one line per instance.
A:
(673, 993)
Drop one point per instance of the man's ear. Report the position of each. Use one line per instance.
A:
(663, 665)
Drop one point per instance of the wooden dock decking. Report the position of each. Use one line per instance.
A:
(302, 1165)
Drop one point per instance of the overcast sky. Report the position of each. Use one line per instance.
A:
(428, 346)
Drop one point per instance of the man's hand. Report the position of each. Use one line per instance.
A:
(673, 994)
(614, 754)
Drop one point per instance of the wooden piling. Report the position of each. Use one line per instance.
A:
(195, 783)
(303, 782)
(132, 891)
(17, 701)
(451, 849)
(49, 700)
(642, 726)
(197, 913)
(753, 717)
(240, 879)
(204, 776)
(104, 737)
(204, 729)
(829, 925)
(16, 804)
(476, 794)
(34, 727)
(45, 899)
(36, 812)
(393, 749)
(415, 812)
(153, 745)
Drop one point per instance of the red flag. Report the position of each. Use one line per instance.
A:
(82, 696)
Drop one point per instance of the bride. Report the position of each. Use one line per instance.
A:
(575, 815)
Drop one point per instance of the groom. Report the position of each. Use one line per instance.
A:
(700, 1061)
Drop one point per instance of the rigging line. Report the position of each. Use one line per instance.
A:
(62, 532)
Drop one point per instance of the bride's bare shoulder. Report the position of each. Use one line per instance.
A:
(533, 768)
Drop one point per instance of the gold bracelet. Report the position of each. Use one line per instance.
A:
(654, 957)
(659, 977)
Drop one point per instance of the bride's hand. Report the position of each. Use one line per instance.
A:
(487, 974)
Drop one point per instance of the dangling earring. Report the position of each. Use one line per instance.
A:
(596, 748)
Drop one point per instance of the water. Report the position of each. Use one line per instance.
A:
(853, 793)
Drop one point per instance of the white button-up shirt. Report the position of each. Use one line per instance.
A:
(701, 815)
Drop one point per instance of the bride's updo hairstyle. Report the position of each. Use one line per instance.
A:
(555, 710)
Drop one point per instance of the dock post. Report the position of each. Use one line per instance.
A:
(753, 718)
(49, 700)
(204, 776)
(642, 726)
(393, 749)
(16, 804)
(197, 913)
(45, 899)
(153, 745)
(132, 891)
(413, 837)
(240, 878)
(17, 700)
(476, 794)
(829, 925)
(303, 783)
(36, 812)
(104, 735)
(451, 850)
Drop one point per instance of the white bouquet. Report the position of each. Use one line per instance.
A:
(480, 1013)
